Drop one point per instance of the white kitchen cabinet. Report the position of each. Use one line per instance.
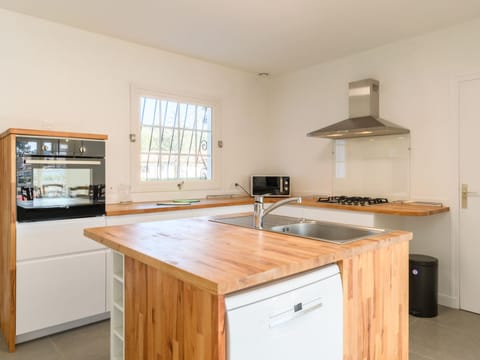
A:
(57, 290)
(62, 281)
(52, 238)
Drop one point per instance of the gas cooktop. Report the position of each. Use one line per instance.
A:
(352, 200)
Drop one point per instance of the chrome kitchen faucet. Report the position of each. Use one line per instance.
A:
(259, 212)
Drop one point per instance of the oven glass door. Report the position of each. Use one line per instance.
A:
(52, 188)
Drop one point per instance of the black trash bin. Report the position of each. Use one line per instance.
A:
(423, 285)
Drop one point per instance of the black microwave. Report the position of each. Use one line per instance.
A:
(270, 185)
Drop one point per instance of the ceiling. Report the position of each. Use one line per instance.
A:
(273, 36)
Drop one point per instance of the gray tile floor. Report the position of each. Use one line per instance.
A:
(452, 335)
(89, 342)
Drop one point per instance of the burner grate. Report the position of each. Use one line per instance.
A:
(352, 200)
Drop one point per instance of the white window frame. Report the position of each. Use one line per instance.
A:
(171, 185)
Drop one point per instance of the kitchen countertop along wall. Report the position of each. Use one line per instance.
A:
(401, 209)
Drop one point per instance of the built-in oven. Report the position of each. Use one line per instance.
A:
(59, 178)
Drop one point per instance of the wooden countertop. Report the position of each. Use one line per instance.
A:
(51, 133)
(402, 209)
(152, 207)
(221, 258)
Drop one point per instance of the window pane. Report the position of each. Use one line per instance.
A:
(169, 167)
(175, 140)
(205, 144)
(203, 168)
(204, 118)
(182, 115)
(149, 111)
(150, 139)
(170, 140)
(169, 113)
(189, 167)
(187, 141)
(190, 117)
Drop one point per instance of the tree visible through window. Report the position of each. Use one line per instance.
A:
(175, 140)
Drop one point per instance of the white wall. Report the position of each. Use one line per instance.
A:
(61, 78)
(417, 82)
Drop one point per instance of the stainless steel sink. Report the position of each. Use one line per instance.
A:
(312, 229)
(249, 221)
(326, 231)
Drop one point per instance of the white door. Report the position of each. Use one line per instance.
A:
(469, 244)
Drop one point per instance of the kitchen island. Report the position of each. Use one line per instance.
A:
(177, 274)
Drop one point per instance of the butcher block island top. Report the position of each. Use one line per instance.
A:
(177, 274)
(222, 258)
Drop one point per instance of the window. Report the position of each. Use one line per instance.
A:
(174, 139)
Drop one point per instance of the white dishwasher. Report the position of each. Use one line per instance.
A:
(300, 317)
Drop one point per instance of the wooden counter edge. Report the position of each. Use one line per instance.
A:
(193, 279)
(51, 133)
(129, 209)
(386, 209)
(226, 287)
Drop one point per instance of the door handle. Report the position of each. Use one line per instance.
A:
(466, 194)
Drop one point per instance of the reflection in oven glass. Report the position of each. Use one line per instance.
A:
(58, 183)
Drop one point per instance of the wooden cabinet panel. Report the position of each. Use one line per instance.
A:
(57, 290)
(166, 318)
(7, 240)
(375, 293)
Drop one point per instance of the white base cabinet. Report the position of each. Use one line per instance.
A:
(62, 277)
(51, 238)
(57, 290)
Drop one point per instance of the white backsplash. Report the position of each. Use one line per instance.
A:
(377, 166)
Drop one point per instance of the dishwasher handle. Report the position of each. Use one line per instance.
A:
(296, 311)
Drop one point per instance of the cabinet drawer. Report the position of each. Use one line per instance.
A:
(57, 290)
(52, 238)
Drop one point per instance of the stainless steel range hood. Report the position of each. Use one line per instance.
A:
(364, 117)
